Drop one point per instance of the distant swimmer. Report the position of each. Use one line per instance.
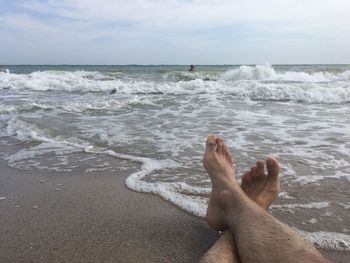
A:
(191, 68)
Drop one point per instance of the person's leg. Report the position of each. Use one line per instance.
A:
(263, 190)
(259, 236)
(223, 251)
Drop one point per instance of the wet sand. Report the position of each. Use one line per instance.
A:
(59, 217)
(65, 217)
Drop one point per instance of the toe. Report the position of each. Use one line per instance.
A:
(273, 168)
(220, 144)
(224, 149)
(246, 178)
(254, 171)
(211, 143)
(229, 159)
(260, 164)
(227, 153)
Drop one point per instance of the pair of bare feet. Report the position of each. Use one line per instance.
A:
(260, 187)
(252, 235)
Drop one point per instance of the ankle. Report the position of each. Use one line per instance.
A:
(234, 201)
(222, 182)
(229, 196)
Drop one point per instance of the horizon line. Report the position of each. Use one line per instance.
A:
(225, 64)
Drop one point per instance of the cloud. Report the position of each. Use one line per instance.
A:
(221, 30)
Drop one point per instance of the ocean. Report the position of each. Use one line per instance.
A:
(157, 118)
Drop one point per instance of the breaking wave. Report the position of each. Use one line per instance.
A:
(261, 82)
(268, 73)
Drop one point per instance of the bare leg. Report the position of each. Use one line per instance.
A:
(258, 235)
(223, 251)
(259, 187)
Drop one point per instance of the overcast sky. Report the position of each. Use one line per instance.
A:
(174, 31)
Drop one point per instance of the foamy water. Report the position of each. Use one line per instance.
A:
(159, 117)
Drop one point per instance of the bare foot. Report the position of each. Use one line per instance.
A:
(262, 188)
(218, 163)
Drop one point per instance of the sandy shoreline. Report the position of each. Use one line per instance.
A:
(60, 217)
(57, 217)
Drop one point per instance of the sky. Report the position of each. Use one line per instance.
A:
(174, 32)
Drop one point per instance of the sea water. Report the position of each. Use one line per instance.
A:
(160, 116)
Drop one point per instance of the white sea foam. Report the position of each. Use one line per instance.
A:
(79, 81)
(328, 240)
(91, 170)
(315, 205)
(346, 206)
(313, 221)
(79, 105)
(7, 108)
(305, 179)
(284, 195)
(58, 146)
(169, 191)
(261, 82)
(25, 131)
(173, 192)
(267, 72)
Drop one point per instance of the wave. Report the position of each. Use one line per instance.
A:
(79, 105)
(188, 76)
(77, 81)
(260, 82)
(268, 73)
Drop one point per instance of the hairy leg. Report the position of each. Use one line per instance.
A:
(263, 189)
(258, 235)
(223, 251)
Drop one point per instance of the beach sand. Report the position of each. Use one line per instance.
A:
(60, 217)
(93, 217)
